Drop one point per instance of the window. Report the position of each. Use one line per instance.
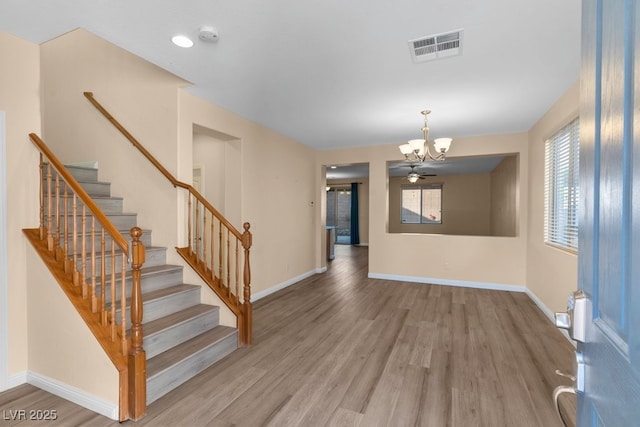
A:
(422, 205)
(561, 188)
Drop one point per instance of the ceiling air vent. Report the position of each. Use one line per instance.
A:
(437, 46)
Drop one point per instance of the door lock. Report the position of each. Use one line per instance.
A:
(574, 320)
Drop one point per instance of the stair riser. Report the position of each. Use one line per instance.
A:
(157, 343)
(196, 330)
(160, 307)
(120, 221)
(154, 256)
(80, 173)
(108, 205)
(148, 283)
(171, 378)
(92, 188)
(146, 240)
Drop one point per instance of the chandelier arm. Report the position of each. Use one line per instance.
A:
(437, 157)
(420, 154)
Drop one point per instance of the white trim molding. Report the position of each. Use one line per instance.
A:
(5, 382)
(67, 392)
(548, 313)
(17, 379)
(75, 395)
(448, 282)
(286, 284)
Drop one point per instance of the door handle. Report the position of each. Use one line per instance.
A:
(556, 395)
(574, 320)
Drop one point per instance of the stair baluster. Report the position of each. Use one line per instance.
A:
(52, 241)
(240, 305)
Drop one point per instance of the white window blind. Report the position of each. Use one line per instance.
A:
(561, 187)
(422, 205)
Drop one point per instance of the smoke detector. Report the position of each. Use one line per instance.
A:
(208, 34)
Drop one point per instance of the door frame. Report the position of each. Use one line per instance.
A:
(4, 306)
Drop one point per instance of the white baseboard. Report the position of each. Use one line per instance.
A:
(542, 306)
(16, 379)
(286, 284)
(72, 394)
(548, 313)
(448, 282)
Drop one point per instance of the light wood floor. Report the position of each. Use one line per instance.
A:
(343, 350)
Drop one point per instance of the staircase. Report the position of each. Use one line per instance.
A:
(182, 337)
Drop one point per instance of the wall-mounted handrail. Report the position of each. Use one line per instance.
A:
(173, 180)
(215, 257)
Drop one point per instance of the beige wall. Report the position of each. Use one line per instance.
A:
(504, 192)
(466, 205)
(20, 100)
(363, 206)
(61, 346)
(209, 153)
(551, 272)
(274, 181)
(143, 97)
(477, 259)
(274, 172)
(278, 190)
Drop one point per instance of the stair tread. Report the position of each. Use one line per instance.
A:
(144, 272)
(124, 231)
(161, 293)
(119, 251)
(79, 181)
(88, 213)
(97, 197)
(176, 318)
(182, 333)
(154, 269)
(177, 354)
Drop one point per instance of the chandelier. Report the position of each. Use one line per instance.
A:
(418, 149)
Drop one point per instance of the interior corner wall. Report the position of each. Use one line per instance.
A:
(20, 100)
(551, 273)
(209, 153)
(142, 97)
(278, 191)
(504, 191)
(483, 260)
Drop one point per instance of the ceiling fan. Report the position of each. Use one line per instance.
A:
(414, 176)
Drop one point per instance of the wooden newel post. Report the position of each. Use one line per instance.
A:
(246, 328)
(137, 357)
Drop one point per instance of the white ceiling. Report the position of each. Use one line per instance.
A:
(338, 73)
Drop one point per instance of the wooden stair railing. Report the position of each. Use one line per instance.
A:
(70, 224)
(213, 243)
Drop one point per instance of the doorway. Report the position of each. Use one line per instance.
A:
(347, 203)
(4, 304)
(339, 213)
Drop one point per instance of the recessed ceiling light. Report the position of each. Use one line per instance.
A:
(182, 41)
(334, 167)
